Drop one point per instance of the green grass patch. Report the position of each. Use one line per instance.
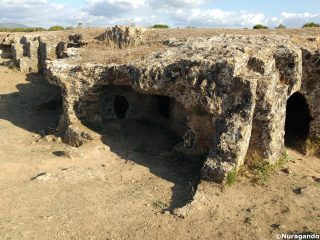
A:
(160, 205)
(231, 178)
(259, 170)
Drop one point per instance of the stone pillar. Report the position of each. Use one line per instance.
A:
(232, 133)
(311, 88)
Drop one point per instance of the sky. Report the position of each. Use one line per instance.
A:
(175, 13)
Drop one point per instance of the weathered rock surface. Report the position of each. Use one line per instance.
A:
(231, 87)
(122, 36)
(228, 92)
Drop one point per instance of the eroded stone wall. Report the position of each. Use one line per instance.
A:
(311, 87)
(122, 36)
(230, 91)
(98, 106)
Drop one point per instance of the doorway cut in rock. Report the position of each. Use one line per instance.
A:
(5, 51)
(164, 106)
(298, 120)
(105, 103)
(120, 105)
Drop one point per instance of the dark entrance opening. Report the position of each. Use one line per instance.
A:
(147, 130)
(297, 120)
(121, 106)
(164, 106)
(5, 51)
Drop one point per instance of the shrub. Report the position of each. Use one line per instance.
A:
(260, 26)
(231, 178)
(56, 28)
(160, 205)
(160, 26)
(311, 146)
(281, 26)
(311, 24)
(34, 29)
(260, 171)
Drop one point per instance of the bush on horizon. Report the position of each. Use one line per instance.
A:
(260, 26)
(160, 26)
(56, 28)
(31, 29)
(311, 24)
(281, 26)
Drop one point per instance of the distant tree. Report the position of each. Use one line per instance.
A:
(160, 26)
(281, 26)
(311, 24)
(260, 26)
(56, 28)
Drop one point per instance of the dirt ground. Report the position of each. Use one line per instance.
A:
(125, 187)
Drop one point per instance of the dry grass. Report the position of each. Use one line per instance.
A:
(99, 54)
(258, 170)
(311, 146)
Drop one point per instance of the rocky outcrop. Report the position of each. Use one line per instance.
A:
(30, 52)
(311, 87)
(233, 90)
(227, 94)
(122, 36)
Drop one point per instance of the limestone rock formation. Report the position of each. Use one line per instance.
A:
(227, 93)
(122, 36)
(233, 89)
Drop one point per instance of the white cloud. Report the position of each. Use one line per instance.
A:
(298, 19)
(141, 12)
(172, 12)
(217, 17)
(38, 13)
(180, 4)
(111, 8)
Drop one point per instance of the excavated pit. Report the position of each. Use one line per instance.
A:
(298, 120)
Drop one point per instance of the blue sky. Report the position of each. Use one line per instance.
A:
(176, 13)
(269, 7)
